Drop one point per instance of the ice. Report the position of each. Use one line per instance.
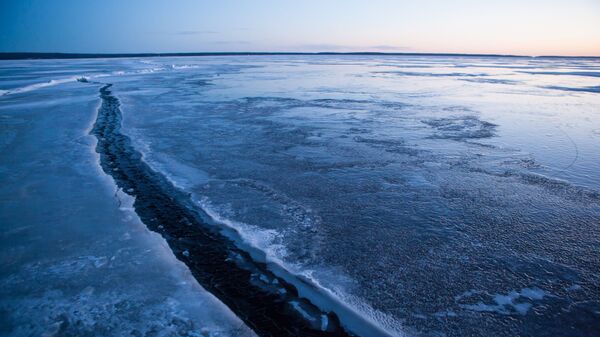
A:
(400, 175)
(461, 127)
(39, 85)
(324, 322)
(594, 89)
(506, 304)
(567, 73)
(533, 293)
(76, 260)
(305, 314)
(425, 195)
(263, 242)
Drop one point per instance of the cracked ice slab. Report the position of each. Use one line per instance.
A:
(81, 263)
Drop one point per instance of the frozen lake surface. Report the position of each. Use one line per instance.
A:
(429, 196)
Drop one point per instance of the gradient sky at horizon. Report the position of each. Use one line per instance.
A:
(534, 27)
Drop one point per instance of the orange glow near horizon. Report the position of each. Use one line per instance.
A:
(534, 27)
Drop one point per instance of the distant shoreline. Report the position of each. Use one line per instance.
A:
(36, 56)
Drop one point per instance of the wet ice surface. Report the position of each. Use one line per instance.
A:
(436, 195)
(75, 259)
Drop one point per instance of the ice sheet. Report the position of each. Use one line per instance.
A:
(76, 260)
(434, 195)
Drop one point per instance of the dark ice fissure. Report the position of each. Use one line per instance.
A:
(266, 303)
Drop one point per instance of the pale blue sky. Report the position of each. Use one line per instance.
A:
(532, 27)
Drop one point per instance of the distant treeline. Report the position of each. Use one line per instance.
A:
(29, 56)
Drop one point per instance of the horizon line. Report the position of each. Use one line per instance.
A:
(62, 55)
